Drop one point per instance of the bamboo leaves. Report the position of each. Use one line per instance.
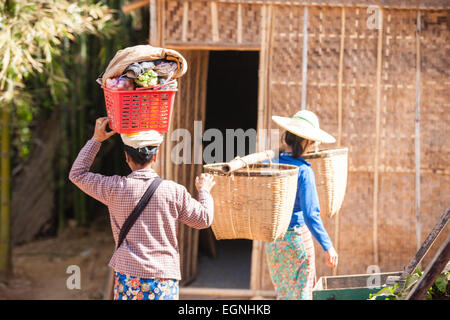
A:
(32, 32)
(31, 35)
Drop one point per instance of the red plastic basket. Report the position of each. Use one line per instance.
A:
(139, 110)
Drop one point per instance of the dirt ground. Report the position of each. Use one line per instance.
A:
(39, 267)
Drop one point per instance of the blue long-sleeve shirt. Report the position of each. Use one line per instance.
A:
(306, 207)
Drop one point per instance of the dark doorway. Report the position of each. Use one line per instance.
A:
(231, 103)
(232, 96)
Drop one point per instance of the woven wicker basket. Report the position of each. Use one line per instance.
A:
(330, 168)
(253, 203)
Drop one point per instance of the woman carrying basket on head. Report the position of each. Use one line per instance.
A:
(291, 259)
(146, 261)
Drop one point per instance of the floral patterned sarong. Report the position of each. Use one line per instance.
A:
(127, 287)
(291, 264)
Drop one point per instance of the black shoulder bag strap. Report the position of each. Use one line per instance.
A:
(129, 222)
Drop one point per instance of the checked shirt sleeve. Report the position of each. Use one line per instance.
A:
(196, 214)
(96, 185)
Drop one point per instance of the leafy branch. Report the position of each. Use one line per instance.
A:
(32, 34)
(439, 290)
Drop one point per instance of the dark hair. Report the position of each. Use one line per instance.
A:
(295, 142)
(141, 156)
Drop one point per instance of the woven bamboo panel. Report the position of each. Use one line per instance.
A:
(285, 61)
(174, 20)
(396, 221)
(199, 22)
(324, 30)
(396, 227)
(227, 17)
(251, 15)
(359, 90)
(399, 4)
(355, 240)
(435, 120)
(396, 190)
(398, 103)
(435, 116)
(204, 23)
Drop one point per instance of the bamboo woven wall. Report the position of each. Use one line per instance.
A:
(362, 84)
(210, 24)
(398, 4)
(380, 234)
(189, 106)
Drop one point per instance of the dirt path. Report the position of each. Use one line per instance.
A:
(40, 266)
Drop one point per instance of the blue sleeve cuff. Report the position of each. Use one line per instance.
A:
(309, 202)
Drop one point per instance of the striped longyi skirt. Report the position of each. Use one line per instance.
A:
(291, 264)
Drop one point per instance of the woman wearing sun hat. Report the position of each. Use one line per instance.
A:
(291, 259)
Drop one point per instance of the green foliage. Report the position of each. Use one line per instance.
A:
(147, 79)
(439, 290)
(31, 38)
(51, 52)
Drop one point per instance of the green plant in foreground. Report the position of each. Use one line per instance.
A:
(440, 290)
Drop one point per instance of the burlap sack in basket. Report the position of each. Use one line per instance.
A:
(330, 168)
(127, 56)
(253, 203)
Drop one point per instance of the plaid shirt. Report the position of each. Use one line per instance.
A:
(150, 249)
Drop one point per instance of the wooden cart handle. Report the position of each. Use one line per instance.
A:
(238, 162)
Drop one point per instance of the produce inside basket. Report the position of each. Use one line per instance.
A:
(139, 85)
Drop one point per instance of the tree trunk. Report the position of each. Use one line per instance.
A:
(5, 214)
(63, 156)
(82, 88)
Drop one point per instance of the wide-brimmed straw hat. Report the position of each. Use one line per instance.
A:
(304, 124)
(142, 139)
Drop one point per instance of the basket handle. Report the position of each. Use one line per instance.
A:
(157, 86)
(238, 162)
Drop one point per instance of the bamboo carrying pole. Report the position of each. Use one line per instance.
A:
(239, 162)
